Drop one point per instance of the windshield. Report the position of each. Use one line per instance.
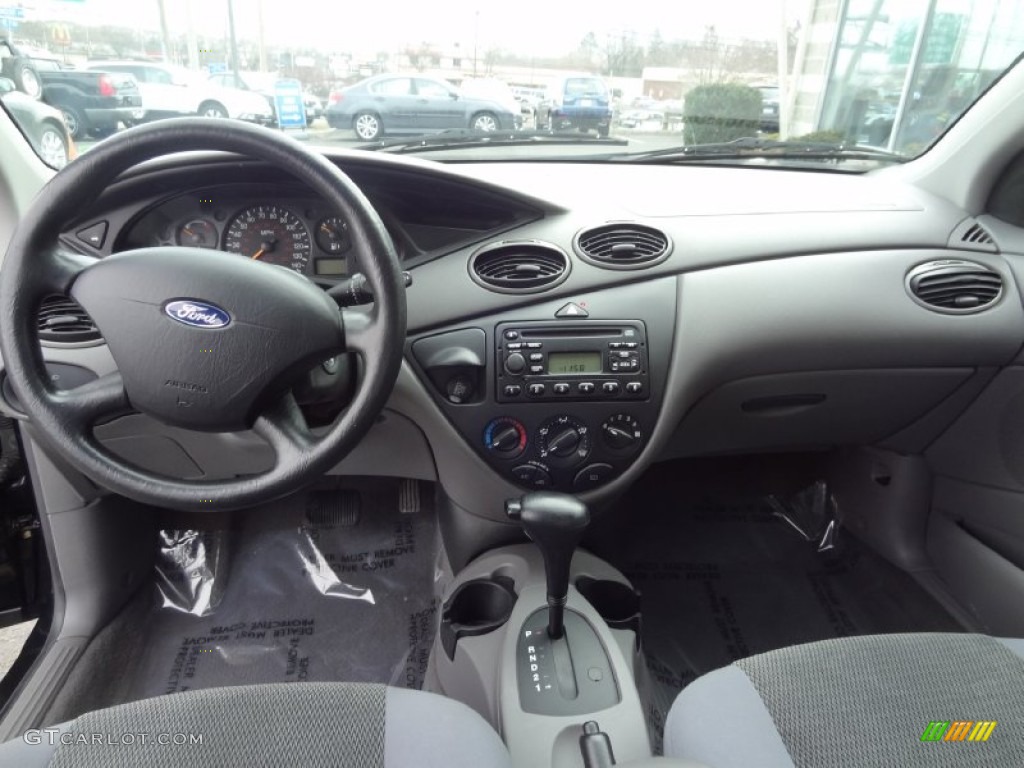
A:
(889, 75)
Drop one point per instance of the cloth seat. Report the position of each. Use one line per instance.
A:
(882, 700)
(309, 724)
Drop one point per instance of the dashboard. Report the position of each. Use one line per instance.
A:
(774, 315)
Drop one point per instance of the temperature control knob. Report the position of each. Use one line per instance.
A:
(505, 437)
(564, 441)
(621, 433)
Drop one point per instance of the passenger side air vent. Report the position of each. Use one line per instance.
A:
(519, 267)
(623, 246)
(971, 235)
(954, 286)
(61, 319)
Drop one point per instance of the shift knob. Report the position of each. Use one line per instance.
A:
(555, 522)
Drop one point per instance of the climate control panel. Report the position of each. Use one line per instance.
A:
(564, 451)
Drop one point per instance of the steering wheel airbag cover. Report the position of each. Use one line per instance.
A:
(230, 335)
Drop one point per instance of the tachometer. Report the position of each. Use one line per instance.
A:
(197, 233)
(270, 234)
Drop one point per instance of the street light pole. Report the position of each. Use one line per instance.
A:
(231, 34)
(476, 40)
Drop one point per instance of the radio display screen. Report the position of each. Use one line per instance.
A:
(574, 362)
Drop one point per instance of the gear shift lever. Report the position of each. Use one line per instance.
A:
(555, 522)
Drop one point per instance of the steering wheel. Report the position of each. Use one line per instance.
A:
(204, 340)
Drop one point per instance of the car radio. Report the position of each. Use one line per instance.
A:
(595, 361)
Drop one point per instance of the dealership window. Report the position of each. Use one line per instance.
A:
(903, 70)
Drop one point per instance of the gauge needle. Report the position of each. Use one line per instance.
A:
(259, 253)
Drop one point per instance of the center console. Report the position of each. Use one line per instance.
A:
(557, 396)
(542, 639)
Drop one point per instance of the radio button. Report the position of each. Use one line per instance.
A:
(515, 363)
(513, 390)
(536, 369)
(586, 387)
(623, 354)
(536, 356)
(561, 388)
(512, 335)
(536, 390)
(630, 344)
(634, 387)
(516, 345)
(615, 344)
(610, 387)
(534, 345)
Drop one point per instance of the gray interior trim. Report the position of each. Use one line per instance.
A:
(33, 749)
(438, 731)
(1015, 644)
(720, 719)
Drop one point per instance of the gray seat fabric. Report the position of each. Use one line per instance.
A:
(862, 701)
(310, 724)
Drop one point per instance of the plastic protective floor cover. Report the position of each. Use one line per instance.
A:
(334, 584)
(722, 581)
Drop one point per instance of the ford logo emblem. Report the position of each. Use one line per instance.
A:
(197, 314)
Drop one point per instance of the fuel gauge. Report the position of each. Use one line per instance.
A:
(198, 233)
(332, 235)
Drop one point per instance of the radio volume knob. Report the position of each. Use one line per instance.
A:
(515, 363)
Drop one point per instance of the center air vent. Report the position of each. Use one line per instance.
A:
(955, 286)
(623, 246)
(61, 319)
(519, 267)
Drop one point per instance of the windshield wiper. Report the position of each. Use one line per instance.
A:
(470, 138)
(767, 148)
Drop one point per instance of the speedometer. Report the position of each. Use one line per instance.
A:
(271, 234)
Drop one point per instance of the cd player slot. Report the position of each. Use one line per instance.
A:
(574, 332)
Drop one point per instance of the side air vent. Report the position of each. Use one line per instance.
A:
(519, 266)
(61, 319)
(623, 246)
(954, 286)
(971, 235)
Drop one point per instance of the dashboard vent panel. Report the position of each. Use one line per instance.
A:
(62, 319)
(623, 246)
(955, 286)
(519, 267)
(970, 234)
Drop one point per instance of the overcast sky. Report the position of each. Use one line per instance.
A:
(532, 27)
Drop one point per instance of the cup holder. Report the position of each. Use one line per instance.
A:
(476, 608)
(617, 603)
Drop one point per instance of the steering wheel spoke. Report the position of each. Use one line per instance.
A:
(85, 405)
(285, 428)
(361, 331)
(64, 267)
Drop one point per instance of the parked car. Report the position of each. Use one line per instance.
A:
(493, 89)
(42, 124)
(91, 102)
(264, 84)
(171, 91)
(394, 104)
(580, 102)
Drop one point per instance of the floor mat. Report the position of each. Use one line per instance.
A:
(721, 581)
(337, 583)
